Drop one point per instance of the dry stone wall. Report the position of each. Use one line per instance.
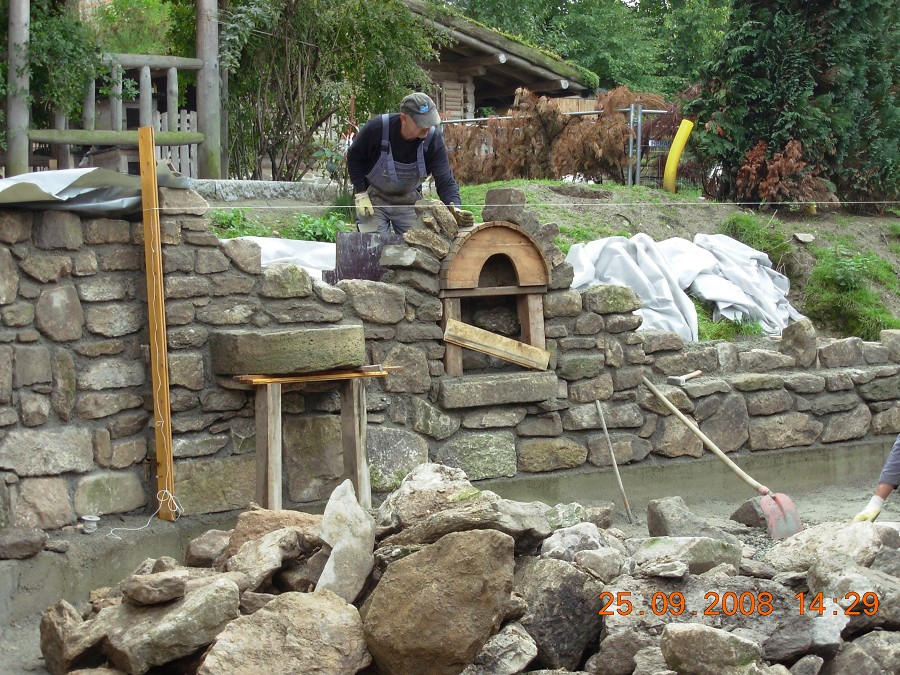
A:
(76, 430)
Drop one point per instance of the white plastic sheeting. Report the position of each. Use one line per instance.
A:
(313, 256)
(738, 280)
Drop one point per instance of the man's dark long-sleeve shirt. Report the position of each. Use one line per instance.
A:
(366, 149)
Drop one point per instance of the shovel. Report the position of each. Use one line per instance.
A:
(781, 516)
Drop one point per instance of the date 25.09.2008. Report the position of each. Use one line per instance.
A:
(746, 604)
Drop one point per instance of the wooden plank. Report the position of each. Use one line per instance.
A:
(505, 348)
(531, 319)
(490, 291)
(262, 445)
(107, 137)
(353, 437)
(453, 364)
(159, 361)
(273, 443)
(328, 375)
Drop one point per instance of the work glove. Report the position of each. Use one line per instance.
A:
(870, 513)
(363, 205)
(463, 218)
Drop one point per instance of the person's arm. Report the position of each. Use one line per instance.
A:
(363, 153)
(887, 483)
(438, 165)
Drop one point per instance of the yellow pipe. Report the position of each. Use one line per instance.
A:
(671, 171)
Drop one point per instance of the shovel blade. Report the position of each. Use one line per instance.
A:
(782, 519)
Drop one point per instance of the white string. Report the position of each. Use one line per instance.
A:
(163, 497)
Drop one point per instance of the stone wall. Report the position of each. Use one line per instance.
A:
(76, 433)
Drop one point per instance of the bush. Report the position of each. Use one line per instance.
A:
(134, 26)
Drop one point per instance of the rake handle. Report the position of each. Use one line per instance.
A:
(756, 485)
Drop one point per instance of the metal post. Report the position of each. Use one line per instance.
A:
(630, 140)
(637, 164)
(18, 88)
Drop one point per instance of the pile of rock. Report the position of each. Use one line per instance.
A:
(446, 578)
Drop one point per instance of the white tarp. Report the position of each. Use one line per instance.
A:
(737, 279)
(313, 256)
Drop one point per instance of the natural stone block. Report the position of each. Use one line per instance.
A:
(550, 454)
(844, 353)
(406, 256)
(798, 340)
(427, 240)
(313, 456)
(625, 449)
(244, 253)
(729, 425)
(580, 365)
(15, 226)
(47, 268)
(428, 420)
(9, 276)
(57, 229)
(285, 280)
(30, 452)
(115, 319)
(276, 352)
(18, 314)
(393, 453)
(487, 418)
(504, 204)
(58, 314)
(106, 231)
(109, 492)
(174, 201)
(660, 340)
(882, 389)
(32, 365)
(110, 374)
(848, 425)
(611, 299)
(469, 391)
(562, 303)
(43, 503)
(488, 455)
(375, 301)
(891, 340)
(549, 424)
(95, 406)
(673, 439)
(198, 445)
(214, 485)
(783, 431)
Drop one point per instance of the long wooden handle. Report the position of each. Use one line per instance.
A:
(762, 489)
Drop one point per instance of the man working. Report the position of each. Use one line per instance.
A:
(887, 483)
(389, 159)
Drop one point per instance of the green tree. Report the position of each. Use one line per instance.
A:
(134, 26)
(294, 64)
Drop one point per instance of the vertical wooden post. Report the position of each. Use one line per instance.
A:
(115, 101)
(353, 434)
(159, 360)
(89, 109)
(531, 319)
(17, 89)
(145, 98)
(268, 445)
(453, 363)
(209, 106)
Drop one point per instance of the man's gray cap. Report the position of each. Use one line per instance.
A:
(421, 109)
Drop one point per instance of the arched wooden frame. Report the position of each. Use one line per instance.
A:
(462, 268)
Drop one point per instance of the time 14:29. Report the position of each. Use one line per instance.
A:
(865, 603)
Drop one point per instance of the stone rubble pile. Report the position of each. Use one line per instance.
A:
(445, 578)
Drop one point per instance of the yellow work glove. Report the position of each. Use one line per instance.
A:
(463, 218)
(363, 205)
(870, 513)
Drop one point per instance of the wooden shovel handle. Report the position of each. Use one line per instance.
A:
(762, 489)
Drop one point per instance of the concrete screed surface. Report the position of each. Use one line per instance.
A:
(825, 484)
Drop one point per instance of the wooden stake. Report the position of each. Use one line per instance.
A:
(159, 360)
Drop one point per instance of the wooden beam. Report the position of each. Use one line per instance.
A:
(353, 436)
(484, 60)
(325, 376)
(505, 348)
(155, 62)
(159, 359)
(209, 93)
(489, 291)
(107, 137)
(473, 71)
(535, 87)
(453, 364)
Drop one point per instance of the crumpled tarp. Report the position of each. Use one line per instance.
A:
(87, 192)
(738, 280)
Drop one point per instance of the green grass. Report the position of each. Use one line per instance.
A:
(301, 227)
(763, 234)
(723, 329)
(894, 237)
(840, 291)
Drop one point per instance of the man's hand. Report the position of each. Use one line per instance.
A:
(870, 513)
(463, 218)
(363, 205)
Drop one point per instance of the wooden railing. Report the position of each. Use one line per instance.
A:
(20, 138)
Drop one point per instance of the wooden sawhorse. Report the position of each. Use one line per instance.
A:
(353, 428)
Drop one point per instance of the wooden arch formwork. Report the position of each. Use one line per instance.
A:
(479, 265)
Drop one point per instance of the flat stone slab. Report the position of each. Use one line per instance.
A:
(470, 391)
(284, 352)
